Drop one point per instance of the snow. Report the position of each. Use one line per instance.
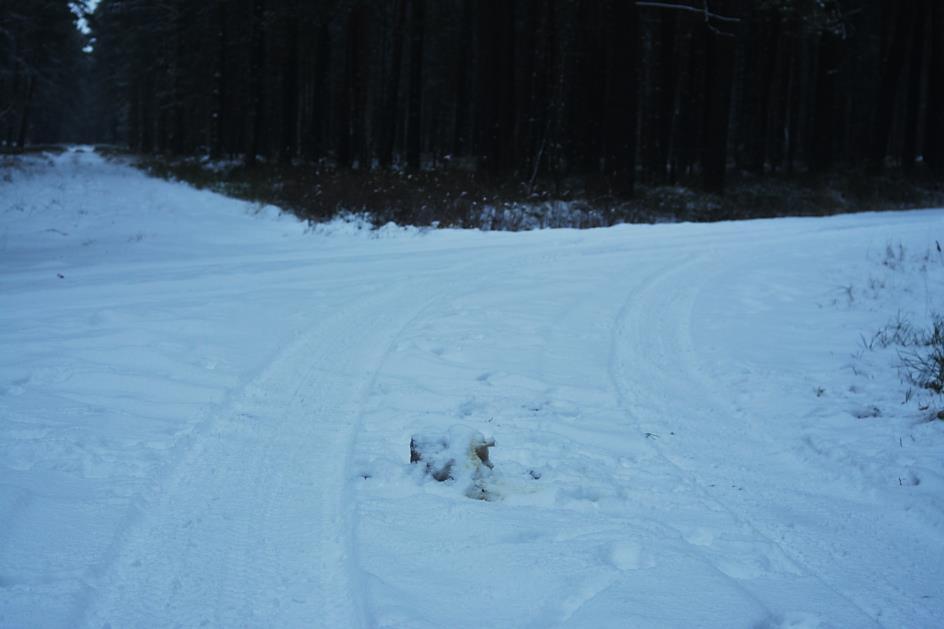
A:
(206, 409)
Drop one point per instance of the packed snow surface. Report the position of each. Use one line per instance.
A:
(206, 409)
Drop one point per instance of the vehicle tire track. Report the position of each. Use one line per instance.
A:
(253, 528)
(655, 322)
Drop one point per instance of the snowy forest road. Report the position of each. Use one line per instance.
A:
(266, 538)
(266, 488)
(206, 407)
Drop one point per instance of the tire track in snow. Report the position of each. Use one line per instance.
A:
(655, 321)
(263, 476)
(254, 527)
(634, 304)
(771, 511)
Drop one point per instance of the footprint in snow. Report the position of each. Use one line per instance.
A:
(866, 412)
(629, 555)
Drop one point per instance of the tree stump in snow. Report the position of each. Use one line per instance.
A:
(443, 455)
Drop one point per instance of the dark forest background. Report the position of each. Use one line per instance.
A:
(597, 96)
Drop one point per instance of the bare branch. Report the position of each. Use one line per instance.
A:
(685, 7)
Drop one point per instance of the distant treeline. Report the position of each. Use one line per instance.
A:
(613, 90)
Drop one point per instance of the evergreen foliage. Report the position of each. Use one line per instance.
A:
(607, 91)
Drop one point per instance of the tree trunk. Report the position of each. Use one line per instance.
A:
(621, 99)
(763, 86)
(824, 115)
(219, 88)
(667, 83)
(934, 128)
(719, 77)
(798, 78)
(358, 52)
(147, 109)
(134, 114)
(256, 81)
(897, 17)
(526, 117)
(909, 148)
(389, 116)
(488, 92)
(315, 138)
(415, 104)
(460, 133)
(505, 72)
(25, 114)
(689, 137)
(289, 146)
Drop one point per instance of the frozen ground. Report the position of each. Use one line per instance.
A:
(206, 409)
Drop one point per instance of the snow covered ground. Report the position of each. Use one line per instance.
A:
(206, 411)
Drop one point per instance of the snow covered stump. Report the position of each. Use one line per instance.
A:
(460, 456)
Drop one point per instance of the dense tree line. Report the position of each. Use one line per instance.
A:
(41, 70)
(612, 91)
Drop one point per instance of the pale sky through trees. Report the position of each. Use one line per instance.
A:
(80, 22)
